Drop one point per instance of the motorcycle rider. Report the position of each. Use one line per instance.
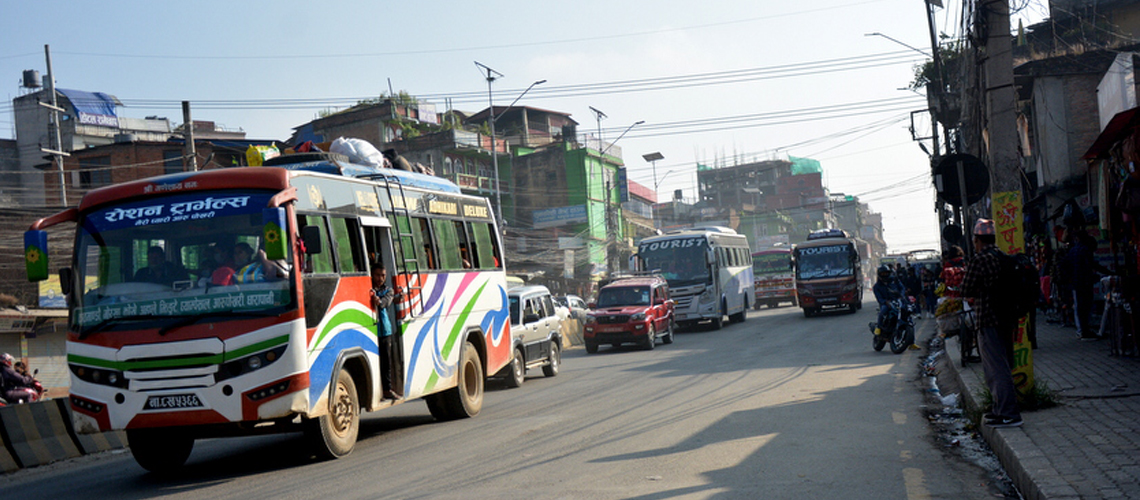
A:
(15, 386)
(886, 290)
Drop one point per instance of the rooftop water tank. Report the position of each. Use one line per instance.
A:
(32, 79)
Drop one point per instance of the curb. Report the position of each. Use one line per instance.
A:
(1024, 462)
(40, 433)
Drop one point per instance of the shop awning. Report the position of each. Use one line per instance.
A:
(1118, 128)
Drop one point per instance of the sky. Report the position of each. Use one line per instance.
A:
(718, 83)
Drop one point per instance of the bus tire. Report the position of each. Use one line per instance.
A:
(718, 322)
(160, 451)
(516, 370)
(739, 317)
(466, 398)
(333, 435)
(756, 305)
(555, 361)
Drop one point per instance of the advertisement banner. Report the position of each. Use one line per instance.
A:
(1008, 222)
(1022, 359)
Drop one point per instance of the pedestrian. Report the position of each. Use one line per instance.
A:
(928, 285)
(14, 385)
(996, 330)
(913, 285)
(382, 298)
(1082, 268)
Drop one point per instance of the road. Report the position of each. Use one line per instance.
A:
(780, 406)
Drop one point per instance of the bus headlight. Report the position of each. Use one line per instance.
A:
(243, 365)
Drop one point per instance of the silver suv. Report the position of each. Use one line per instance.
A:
(535, 333)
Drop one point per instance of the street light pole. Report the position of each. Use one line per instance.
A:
(652, 158)
(494, 154)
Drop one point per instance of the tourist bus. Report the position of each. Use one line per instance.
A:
(197, 354)
(828, 272)
(709, 271)
(772, 272)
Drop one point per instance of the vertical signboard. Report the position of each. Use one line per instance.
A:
(1008, 220)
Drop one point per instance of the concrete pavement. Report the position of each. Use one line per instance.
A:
(1088, 446)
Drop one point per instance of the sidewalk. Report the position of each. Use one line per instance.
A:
(1086, 447)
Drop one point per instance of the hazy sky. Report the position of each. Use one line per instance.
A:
(714, 81)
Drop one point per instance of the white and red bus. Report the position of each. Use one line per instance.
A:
(772, 272)
(177, 350)
(829, 272)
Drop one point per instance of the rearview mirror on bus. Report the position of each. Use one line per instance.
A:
(311, 236)
(273, 233)
(36, 255)
(65, 280)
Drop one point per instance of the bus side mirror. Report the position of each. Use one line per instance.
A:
(66, 280)
(311, 236)
(273, 233)
(36, 255)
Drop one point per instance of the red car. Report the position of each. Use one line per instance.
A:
(630, 310)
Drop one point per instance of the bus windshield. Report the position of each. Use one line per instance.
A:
(770, 263)
(680, 261)
(181, 256)
(831, 261)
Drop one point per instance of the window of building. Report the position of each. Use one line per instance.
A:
(95, 172)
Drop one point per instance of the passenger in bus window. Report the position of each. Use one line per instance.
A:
(158, 270)
(465, 255)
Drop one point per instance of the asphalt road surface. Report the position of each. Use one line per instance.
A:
(780, 406)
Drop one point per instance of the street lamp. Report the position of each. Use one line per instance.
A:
(494, 153)
(622, 135)
(652, 158)
(898, 42)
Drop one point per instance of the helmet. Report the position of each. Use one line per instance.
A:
(884, 271)
(6, 359)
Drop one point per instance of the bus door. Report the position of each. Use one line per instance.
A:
(379, 248)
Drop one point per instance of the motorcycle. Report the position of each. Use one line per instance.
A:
(898, 326)
(29, 394)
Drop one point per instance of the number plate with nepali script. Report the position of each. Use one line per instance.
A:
(173, 402)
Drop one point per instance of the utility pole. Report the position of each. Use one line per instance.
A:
(1000, 100)
(57, 151)
(494, 150)
(189, 154)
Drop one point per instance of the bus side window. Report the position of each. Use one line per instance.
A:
(447, 244)
(462, 229)
(485, 248)
(349, 253)
(426, 250)
(320, 263)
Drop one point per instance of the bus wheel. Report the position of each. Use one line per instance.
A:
(160, 451)
(333, 435)
(465, 399)
(718, 323)
(738, 317)
(517, 370)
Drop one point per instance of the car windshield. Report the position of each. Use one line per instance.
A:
(769, 263)
(681, 261)
(623, 296)
(824, 262)
(190, 254)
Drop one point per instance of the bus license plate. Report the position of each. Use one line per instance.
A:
(173, 402)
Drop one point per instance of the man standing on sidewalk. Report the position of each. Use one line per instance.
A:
(996, 334)
(1082, 268)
